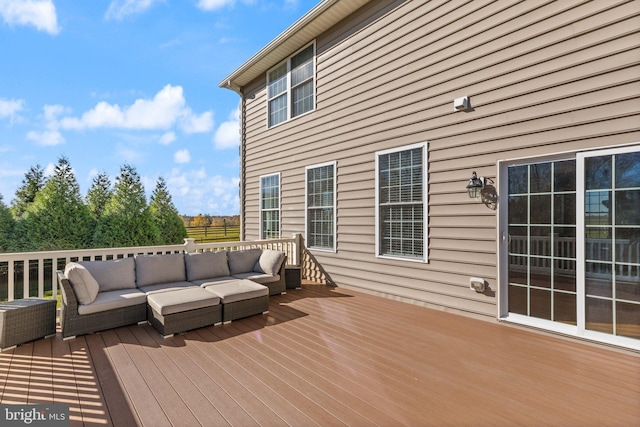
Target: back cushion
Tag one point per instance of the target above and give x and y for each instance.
(269, 262)
(206, 265)
(114, 274)
(243, 261)
(83, 283)
(156, 269)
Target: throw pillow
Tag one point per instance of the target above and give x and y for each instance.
(270, 262)
(83, 283)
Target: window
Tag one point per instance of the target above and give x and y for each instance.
(270, 206)
(321, 207)
(291, 87)
(401, 201)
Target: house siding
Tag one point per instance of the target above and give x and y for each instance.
(543, 77)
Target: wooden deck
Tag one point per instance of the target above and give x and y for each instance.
(328, 356)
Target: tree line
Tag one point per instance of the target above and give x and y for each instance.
(49, 213)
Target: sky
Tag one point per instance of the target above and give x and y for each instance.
(111, 82)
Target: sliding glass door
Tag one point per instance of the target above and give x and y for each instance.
(612, 243)
(571, 242)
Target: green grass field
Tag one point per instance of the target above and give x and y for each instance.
(230, 233)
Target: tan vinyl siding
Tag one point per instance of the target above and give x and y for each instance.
(544, 77)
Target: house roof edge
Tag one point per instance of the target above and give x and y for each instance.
(262, 60)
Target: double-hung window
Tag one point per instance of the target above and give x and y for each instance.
(291, 87)
(270, 206)
(321, 206)
(401, 203)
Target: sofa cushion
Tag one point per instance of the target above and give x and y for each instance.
(239, 290)
(258, 277)
(83, 283)
(114, 274)
(155, 269)
(204, 282)
(206, 265)
(164, 287)
(269, 262)
(178, 301)
(243, 261)
(111, 300)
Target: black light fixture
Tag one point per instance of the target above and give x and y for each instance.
(475, 186)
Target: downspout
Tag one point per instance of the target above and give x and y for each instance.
(241, 152)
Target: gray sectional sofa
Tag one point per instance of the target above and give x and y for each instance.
(173, 292)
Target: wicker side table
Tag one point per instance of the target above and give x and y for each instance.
(26, 320)
(293, 277)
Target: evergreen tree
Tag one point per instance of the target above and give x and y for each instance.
(25, 195)
(57, 218)
(7, 224)
(126, 219)
(98, 195)
(166, 216)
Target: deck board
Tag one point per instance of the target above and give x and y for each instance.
(328, 357)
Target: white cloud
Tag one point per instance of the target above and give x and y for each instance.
(197, 192)
(51, 136)
(46, 138)
(161, 112)
(197, 124)
(182, 156)
(49, 170)
(38, 13)
(10, 108)
(167, 108)
(228, 134)
(211, 5)
(51, 113)
(92, 173)
(119, 9)
(214, 4)
(167, 138)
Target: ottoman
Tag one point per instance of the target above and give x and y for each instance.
(240, 298)
(181, 310)
(26, 320)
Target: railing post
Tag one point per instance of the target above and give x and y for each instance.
(10, 280)
(298, 249)
(25, 279)
(189, 244)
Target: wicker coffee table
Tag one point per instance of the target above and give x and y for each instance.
(26, 320)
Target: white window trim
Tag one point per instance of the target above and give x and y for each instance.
(579, 330)
(260, 210)
(335, 205)
(288, 91)
(425, 202)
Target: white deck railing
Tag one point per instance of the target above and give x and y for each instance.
(564, 251)
(23, 270)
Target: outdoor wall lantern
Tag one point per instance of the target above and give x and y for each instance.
(475, 186)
